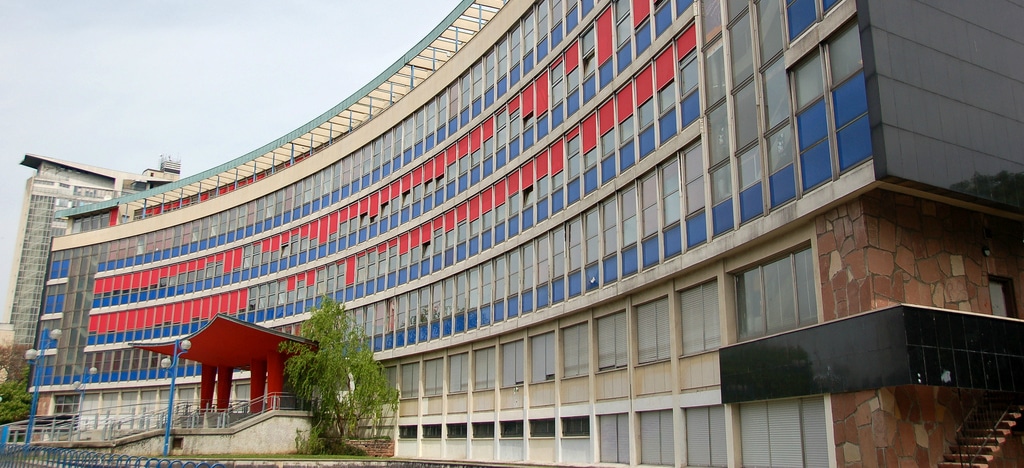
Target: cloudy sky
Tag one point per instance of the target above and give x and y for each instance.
(116, 84)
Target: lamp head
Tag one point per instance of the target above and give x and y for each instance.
(31, 354)
(93, 370)
(76, 385)
(165, 362)
(56, 333)
(185, 345)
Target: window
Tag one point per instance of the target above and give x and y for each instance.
(776, 296)
(1000, 290)
(457, 431)
(483, 369)
(578, 426)
(784, 433)
(575, 350)
(65, 404)
(510, 429)
(656, 441)
(542, 428)
(652, 331)
(611, 339)
(431, 431)
(700, 318)
(542, 351)
(705, 436)
(483, 430)
(433, 377)
(614, 438)
(411, 380)
(458, 373)
(407, 432)
(512, 364)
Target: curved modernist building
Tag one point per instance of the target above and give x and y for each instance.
(673, 232)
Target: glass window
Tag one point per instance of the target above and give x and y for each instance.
(671, 203)
(844, 55)
(629, 216)
(746, 116)
(649, 200)
(769, 29)
(776, 296)
(611, 339)
(575, 350)
(776, 93)
(809, 84)
(714, 71)
(740, 48)
(694, 179)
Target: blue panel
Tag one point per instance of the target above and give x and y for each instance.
(624, 57)
(477, 106)
(667, 126)
(441, 132)
(485, 240)
(575, 283)
(512, 307)
(815, 165)
(428, 142)
(573, 191)
(464, 117)
(400, 339)
(811, 125)
(722, 218)
(627, 156)
(542, 126)
(542, 48)
(485, 315)
(557, 201)
(502, 87)
(542, 296)
(608, 169)
(499, 311)
(610, 269)
(682, 5)
(389, 341)
(590, 180)
(606, 72)
(801, 13)
(556, 34)
(643, 37)
(751, 203)
(850, 100)
(650, 252)
(527, 301)
(377, 343)
(499, 233)
(662, 20)
(528, 138)
(453, 124)
(474, 246)
(571, 20)
(435, 330)
(558, 290)
(489, 97)
(471, 320)
(572, 103)
(854, 143)
(629, 261)
(513, 75)
(460, 323)
(672, 241)
(696, 230)
(527, 62)
(527, 218)
(826, 4)
(424, 333)
(513, 226)
(542, 209)
(586, 6)
(460, 252)
(589, 88)
(499, 158)
(647, 143)
(782, 186)
(474, 175)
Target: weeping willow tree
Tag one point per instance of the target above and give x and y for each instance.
(339, 375)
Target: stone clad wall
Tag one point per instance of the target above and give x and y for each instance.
(375, 447)
(886, 248)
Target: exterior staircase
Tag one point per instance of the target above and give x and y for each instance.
(984, 431)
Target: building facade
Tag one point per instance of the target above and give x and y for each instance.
(702, 233)
(59, 185)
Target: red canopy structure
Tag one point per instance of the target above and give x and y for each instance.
(227, 343)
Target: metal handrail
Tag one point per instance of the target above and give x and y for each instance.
(35, 455)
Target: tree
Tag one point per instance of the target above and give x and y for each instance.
(14, 389)
(339, 376)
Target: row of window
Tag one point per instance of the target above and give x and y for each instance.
(773, 433)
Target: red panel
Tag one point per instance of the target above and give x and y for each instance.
(644, 85)
(528, 100)
(686, 42)
(542, 93)
(439, 165)
(604, 36)
(449, 220)
(513, 105)
(304, 229)
(113, 218)
(572, 57)
(589, 133)
(624, 99)
(474, 208)
(403, 243)
(513, 182)
(557, 156)
(488, 128)
(452, 153)
(665, 67)
(461, 212)
(414, 238)
(606, 116)
(487, 200)
(291, 283)
(311, 277)
(474, 139)
(641, 8)
(382, 248)
(499, 193)
(350, 274)
(438, 223)
(463, 147)
(407, 181)
(416, 177)
(542, 164)
(572, 133)
(527, 174)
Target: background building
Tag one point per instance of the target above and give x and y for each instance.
(59, 185)
(665, 233)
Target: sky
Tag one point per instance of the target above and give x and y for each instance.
(117, 84)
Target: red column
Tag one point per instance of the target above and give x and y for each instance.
(209, 375)
(257, 380)
(223, 387)
(275, 377)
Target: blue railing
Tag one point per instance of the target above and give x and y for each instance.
(20, 455)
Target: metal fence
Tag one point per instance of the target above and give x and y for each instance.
(34, 456)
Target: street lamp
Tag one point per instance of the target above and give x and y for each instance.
(180, 347)
(79, 386)
(36, 358)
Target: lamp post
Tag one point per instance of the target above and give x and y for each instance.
(37, 358)
(180, 347)
(79, 386)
